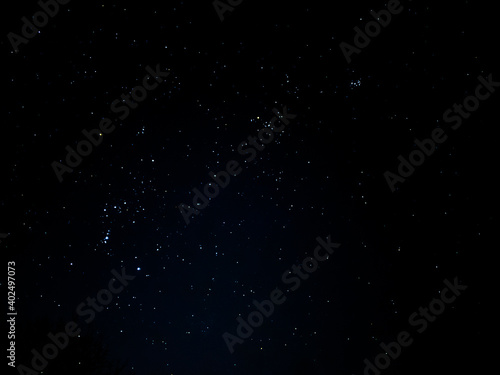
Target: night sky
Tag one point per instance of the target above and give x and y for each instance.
(314, 184)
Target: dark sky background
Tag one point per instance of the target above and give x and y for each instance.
(323, 176)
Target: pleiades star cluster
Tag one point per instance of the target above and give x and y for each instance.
(248, 188)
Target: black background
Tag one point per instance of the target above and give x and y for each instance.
(323, 176)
